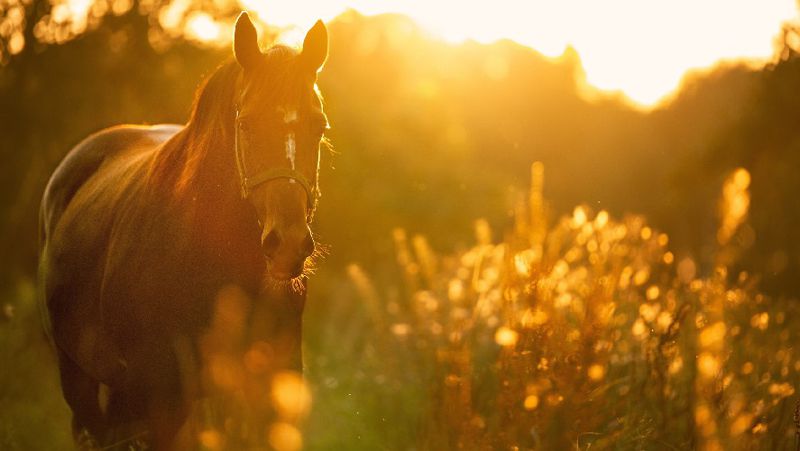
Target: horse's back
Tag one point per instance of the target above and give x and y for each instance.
(85, 159)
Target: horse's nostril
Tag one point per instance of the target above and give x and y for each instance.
(298, 268)
(308, 245)
(271, 243)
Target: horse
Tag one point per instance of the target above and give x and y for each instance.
(151, 235)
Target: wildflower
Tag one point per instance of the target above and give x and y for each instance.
(708, 365)
(734, 205)
(531, 402)
(713, 335)
(664, 321)
(285, 437)
(782, 390)
(741, 424)
(639, 329)
(579, 217)
(601, 219)
(760, 320)
(641, 276)
(455, 290)
(506, 336)
(648, 312)
(290, 395)
(533, 318)
(596, 372)
(676, 365)
(401, 329)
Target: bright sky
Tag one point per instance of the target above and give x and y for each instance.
(639, 47)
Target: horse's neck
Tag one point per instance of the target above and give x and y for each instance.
(205, 191)
(217, 184)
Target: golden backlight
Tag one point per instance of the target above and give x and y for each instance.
(639, 47)
(201, 26)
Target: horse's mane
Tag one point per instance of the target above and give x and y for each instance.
(211, 122)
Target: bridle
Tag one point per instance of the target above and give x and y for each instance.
(249, 182)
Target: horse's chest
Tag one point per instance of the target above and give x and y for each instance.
(169, 292)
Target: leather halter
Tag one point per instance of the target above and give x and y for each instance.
(249, 182)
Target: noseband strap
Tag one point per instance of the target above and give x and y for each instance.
(249, 182)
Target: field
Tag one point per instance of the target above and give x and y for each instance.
(587, 333)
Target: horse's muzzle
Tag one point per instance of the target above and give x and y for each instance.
(286, 250)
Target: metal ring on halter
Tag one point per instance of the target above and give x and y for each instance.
(249, 182)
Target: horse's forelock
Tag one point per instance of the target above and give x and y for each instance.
(216, 97)
(277, 78)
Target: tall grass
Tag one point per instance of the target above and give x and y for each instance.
(33, 415)
(585, 333)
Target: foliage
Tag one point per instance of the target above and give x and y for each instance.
(586, 334)
(28, 26)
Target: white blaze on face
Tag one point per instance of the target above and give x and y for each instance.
(290, 116)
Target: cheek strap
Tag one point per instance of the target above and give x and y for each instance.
(248, 183)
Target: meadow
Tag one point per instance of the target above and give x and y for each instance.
(584, 333)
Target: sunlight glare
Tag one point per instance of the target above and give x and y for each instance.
(202, 27)
(641, 48)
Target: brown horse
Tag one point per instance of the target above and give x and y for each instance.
(143, 228)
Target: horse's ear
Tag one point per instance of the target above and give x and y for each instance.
(245, 42)
(315, 46)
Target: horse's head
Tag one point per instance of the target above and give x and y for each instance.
(279, 129)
